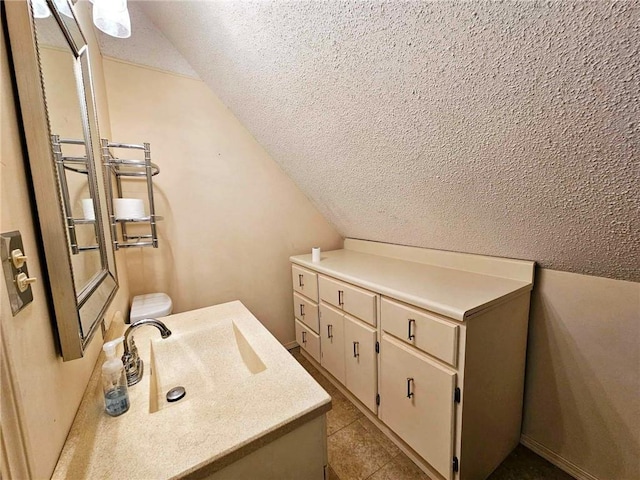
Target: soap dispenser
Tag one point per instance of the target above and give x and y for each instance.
(114, 381)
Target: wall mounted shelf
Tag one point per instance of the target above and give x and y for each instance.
(118, 171)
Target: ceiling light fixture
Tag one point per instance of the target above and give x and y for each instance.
(112, 17)
(40, 9)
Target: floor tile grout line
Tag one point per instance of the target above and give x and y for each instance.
(343, 427)
(381, 467)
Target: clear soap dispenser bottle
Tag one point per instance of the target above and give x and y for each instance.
(114, 381)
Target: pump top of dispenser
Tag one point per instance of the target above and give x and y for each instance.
(110, 347)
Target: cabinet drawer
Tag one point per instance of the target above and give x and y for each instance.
(305, 282)
(308, 340)
(306, 311)
(353, 300)
(416, 402)
(421, 329)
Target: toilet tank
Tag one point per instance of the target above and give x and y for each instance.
(151, 305)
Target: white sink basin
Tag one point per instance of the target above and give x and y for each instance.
(207, 361)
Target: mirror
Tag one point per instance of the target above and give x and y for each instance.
(52, 64)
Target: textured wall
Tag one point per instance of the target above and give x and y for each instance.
(232, 218)
(505, 129)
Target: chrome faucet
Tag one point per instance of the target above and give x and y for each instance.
(133, 365)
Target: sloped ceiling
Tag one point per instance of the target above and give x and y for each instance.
(508, 129)
(146, 46)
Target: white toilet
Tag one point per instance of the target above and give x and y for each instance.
(151, 305)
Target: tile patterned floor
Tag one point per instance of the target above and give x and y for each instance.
(359, 451)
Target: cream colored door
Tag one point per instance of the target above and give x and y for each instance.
(417, 402)
(360, 361)
(332, 341)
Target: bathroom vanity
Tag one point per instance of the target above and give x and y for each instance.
(430, 345)
(250, 411)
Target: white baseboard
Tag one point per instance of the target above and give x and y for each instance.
(290, 345)
(560, 462)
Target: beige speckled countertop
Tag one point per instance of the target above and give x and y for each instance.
(451, 292)
(202, 433)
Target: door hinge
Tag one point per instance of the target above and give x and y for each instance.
(456, 466)
(456, 395)
(377, 347)
(377, 399)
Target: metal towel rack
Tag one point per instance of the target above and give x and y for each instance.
(120, 169)
(75, 164)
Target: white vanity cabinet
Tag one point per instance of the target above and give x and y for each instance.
(430, 345)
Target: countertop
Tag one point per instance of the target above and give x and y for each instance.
(451, 292)
(196, 436)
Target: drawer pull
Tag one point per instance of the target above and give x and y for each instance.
(304, 337)
(300, 280)
(409, 387)
(329, 331)
(302, 309)
(340, 298)
(411, 335)
(356, 349)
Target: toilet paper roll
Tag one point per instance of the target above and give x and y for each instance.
(87, 209)
(128, 208)
(315, 254)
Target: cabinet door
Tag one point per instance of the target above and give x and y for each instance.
(353, 300)
(416, 402)
(332, 341)
(308, 340)
(305, 282)
(360, 361)
(306, 311)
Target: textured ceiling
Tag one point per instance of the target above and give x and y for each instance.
(507, 129)
(146, 46)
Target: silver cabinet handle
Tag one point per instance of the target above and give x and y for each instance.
(302, 309)
(300, 280)
(409, 387)
(329, 331)
(340, 297)
(411, 335)
(304, 337)
(356, 349)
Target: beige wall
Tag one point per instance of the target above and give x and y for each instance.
(582, 399)
(232, 217)
(47, 390)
